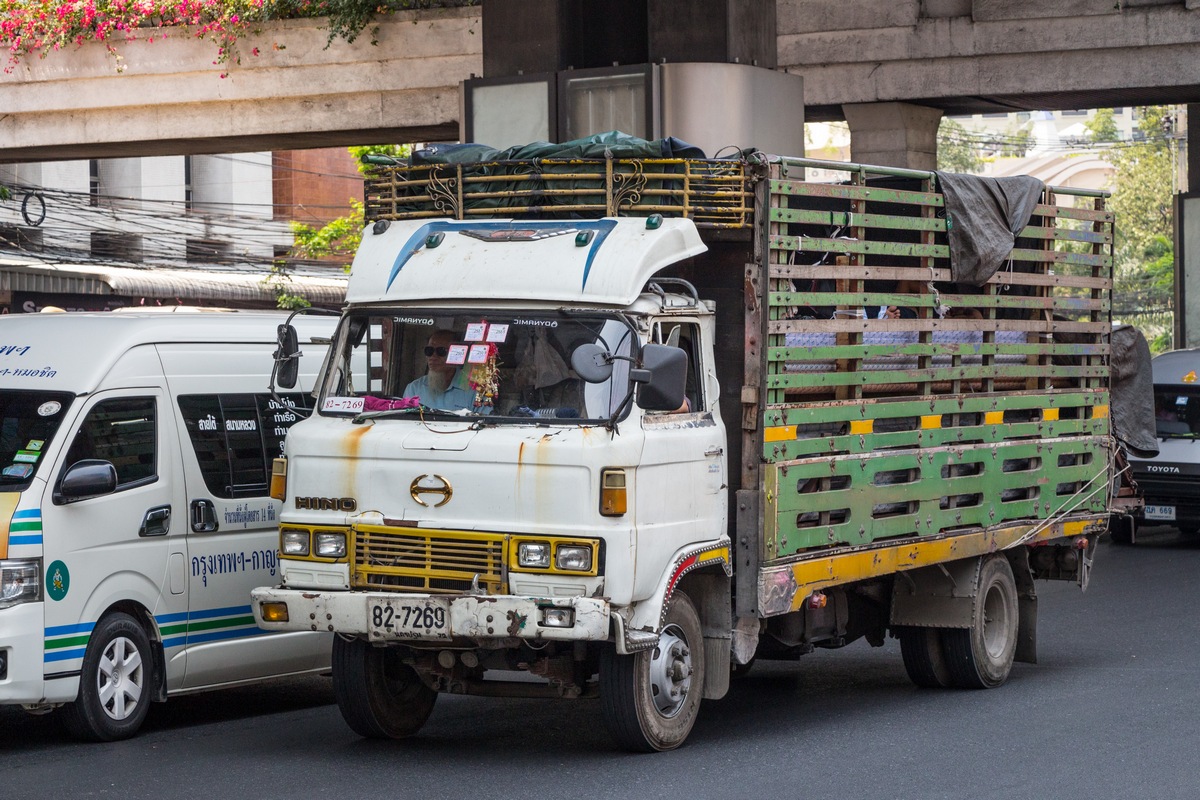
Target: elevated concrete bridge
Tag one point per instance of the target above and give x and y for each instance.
(890, 67)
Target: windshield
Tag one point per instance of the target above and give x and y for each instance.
(28, 422)
(1176, 412)
(503, 366)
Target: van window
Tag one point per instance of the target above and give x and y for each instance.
(236, 436)
(121, 432)
(28, 422)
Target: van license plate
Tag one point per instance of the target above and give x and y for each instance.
(428, 618)
(1160, 512)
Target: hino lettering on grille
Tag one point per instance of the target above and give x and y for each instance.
(327, 503)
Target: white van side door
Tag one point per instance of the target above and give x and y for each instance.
(231, 429)
(115, 548)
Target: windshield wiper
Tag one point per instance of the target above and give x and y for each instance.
(422, 411)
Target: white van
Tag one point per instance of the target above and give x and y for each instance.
(135, 462)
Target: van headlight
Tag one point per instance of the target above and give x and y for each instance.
(20, 581)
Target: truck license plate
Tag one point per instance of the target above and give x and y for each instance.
(1160, 512)
(427, 618)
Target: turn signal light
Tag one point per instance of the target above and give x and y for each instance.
(612, 492)
(274, 612)
(817, 600)
(279, 478)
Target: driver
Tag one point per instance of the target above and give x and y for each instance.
(441, 385)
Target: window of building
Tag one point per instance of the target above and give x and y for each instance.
(236, 436)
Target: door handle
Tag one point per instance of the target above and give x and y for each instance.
(714, 451)
(157, 522)
(204, 516)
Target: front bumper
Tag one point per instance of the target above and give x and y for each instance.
(474, 617)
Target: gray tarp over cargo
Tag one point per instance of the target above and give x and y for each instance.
(1132, 392)
(983, 218)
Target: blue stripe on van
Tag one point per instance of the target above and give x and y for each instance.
(209, 613)
(29, 538)
(64, 655)
(214, 636)
(79, 627)
(28, 513)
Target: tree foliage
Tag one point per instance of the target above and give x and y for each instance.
(957, 151)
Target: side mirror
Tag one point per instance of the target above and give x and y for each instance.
(592, 363)
(84, 479)
(662, 378)
(287, 357)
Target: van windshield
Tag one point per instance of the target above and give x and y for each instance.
(1176, 412)
(503, 366)
(28, 422)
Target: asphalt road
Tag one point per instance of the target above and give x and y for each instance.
(1110, 711)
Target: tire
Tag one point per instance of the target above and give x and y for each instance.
(1120, 530)
(380, 696)
(636, 699)
(980, 657)
(925, 657)
(115, 684)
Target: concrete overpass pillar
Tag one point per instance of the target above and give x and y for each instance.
(893, 134)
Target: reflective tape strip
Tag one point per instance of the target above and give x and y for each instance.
(783, 433)
(993, 418)
(862, 426)
(931, 421)
(1100, 412)
(1049, 414)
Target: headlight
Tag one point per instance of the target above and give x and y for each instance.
(330, 545)
(533, 554)
(573, 557)
(20, 582)
(294, 543)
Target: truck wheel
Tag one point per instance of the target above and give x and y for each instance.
(650, 699)
(924, 657)
(380, 696)
(980, 657)
(114, 684)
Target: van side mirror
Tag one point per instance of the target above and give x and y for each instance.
(287, 357)
(662, 378)
(84, 479)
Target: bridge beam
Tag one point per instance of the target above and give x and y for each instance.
(893, 134)
(170, 99)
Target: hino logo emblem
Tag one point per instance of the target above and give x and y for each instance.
(443, 488)
(1171, 470)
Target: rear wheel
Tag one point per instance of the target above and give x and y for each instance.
(114, 684)
(980, 657)
(924, 657)
(650, 699)
(380, 696)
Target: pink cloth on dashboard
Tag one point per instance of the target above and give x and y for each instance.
(371, 403)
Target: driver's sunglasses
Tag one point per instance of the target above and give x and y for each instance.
(441, 351)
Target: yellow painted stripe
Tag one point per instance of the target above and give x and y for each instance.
(820, 573)
(1049, 414)
(783, 433)
(993, 418)
(1100, 412)
(8, 504)
(931, 421)
(862, 426)
(721, 553)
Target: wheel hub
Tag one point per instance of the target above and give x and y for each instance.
(670, 671)
(120, 679)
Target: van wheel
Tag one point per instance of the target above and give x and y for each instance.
(380, 696)
(924, 657)
(980, 657)
(650, 699)
(115, 683)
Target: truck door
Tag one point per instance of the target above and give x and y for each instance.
(115, 548)
(681, 478)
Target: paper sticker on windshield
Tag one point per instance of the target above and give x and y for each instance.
(475, 331)
(49, 408)
(479, 354)
(26, 457)
(456, 354)
(17, 471)
(497, 333)
(34, 444)
(351, 404)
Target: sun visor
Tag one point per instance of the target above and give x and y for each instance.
(593, 262)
